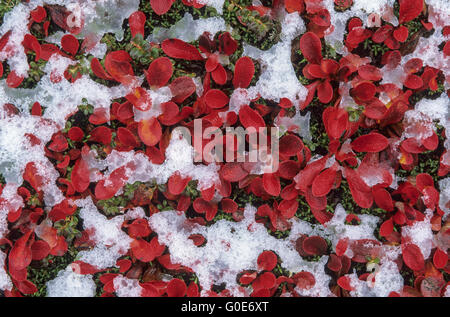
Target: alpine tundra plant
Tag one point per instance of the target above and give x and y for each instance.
(280, 148)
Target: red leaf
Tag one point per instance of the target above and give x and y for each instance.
(370, 72)
(440, 259)
(315, 245)
(288, 169)
(159, 72)
(247, 278)
(101, 134)
(387, 227)
(13, 80)
(140, 98)
(161, 6)
(124, 265)
(266, 280)
(139, 228)
(250, 118)
(182, 88)
(271, 183)
(304, 280)
(70, 44)
(233, 172)
(40, 249)
(39, 14)
(150, 131)
(294, 5)
(412, 256)
(216, 99)
(413, 82)
(118, 66)
(59, 143)
(336, 121)
(26, 287)
(146, 251)
(372, 143)
(243, 72)
(409, 10)
(80, 176)
(177, 184)
(341, 246)
(20, 255)
(83, 268)
(334, 263)
(323, 183)
(137, 23)
(76, 134)
(361, 193)
(98, 70)
(344, 283)
(228, 205)
(227, 44)
(176, 288)
(383, 199)
(267, 261)
(364, 91)
(401, 34)
(290, 145)
(205, 207)
(176, 48)
(311, 47)
(106, 189)
(127, 138)
(32, 176)
(288, 208)
(219, 75)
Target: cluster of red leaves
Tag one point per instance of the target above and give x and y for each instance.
(299, 174)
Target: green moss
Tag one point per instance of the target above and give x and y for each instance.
(428, 162)
(304, 211)
(40, 272)
(116, 204)
(176, 13)
(261, 32)
(70, 227)
(96, 278)
(6, 6)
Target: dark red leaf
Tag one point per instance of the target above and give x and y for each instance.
(315, 245)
